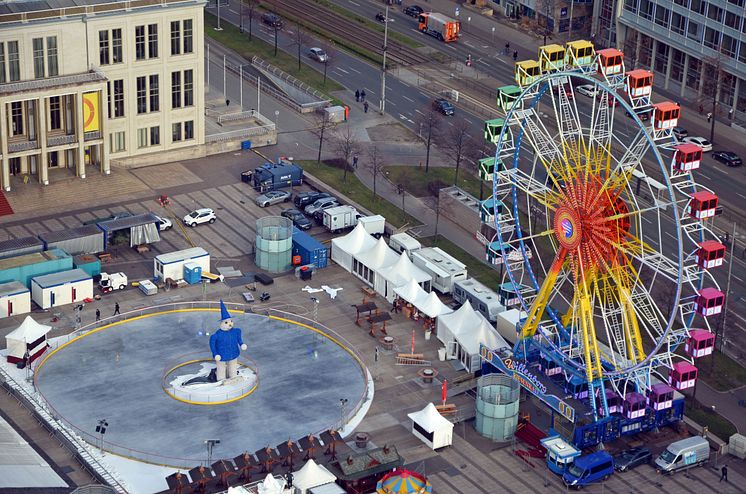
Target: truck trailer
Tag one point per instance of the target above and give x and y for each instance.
(340, 218)
(439, 26)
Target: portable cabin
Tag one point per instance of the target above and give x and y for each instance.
(551, 58)
(576, 387)
(15, 299)
(492, 129)
(66, 287)
(487, 168)
(702, 205)
(666, 115)
(639, 83)
(20, 246)
(634, 405)
(24, 267)
(709, 302)
(171, 265)
(710, 254)
(683, 375)
(687, 157)
(310, 250)
(526, 72)
(403, 242)
(506, 96)
(489, 208)
(88, 239)
(610, 62)
(700, 343)
(548, 367)
(445, 269)
(481, 298)
(660, 396)
(560, 453)
(579, 54)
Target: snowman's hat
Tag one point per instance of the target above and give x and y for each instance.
(224, 314)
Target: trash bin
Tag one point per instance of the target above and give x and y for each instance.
(442, 354)
(305, 273)
(246, 176)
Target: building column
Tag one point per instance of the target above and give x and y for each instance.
(736, 89)
(105, 141)
(684, 75)
(702, 79)
(653, 53)
(4, 146)
(43, 169)
(79, 134)
(669, 64)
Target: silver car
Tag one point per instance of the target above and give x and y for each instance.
(320, 204)
(318, 54)
(273, 197)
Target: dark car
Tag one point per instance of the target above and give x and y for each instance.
(380, 17)
(299, 219)
(630, 458)
(643, 116)
(680, 132)
(413, 10)
(272, 20)
(443, 106)
(303, 199)
(727, 157)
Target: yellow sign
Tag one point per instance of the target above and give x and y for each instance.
(91, 117)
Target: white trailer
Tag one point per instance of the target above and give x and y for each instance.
(66, 287)
(171, 265)
(445, 269)
(375, 225)
(340, 218)
(402, 242)
(15, 299)
(481, 298)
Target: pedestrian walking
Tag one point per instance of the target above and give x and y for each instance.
(355, 159)
(724, 473)
(116, 308)
(362, 95)
(507, 48)
(365, 107)
(701, 109)
(357, 95)
(515, 55)
(709, 117)
(98, 315)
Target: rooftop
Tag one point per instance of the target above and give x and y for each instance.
(33, 10)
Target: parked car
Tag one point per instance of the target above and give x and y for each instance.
(443, 106)
(273, 197)
(565, 88)
(164, 223)
(323, 203)
(303, 199)
(318, 54)
(588, 469)
(587, 90)
(299, 219)
(699, 141)
(680, 132)
(727, 157)
(272, 20)
(199, 216)
(684, 453)
(380, 17)
(413, 10)
(630, 458)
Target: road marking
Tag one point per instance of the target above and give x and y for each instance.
(468, 44)
(719, 169)
(418, 111)
(404, 84)
(367, 91)
(408, 99)
(736, 277)
(354, 70)
(644, 218)
(403, 117)
(391, 103)
(450, 123)
(342, 70)
(482, 61)
(451, 47)
(704, 176)
(669, 234)
(741, 195)
(354, 3)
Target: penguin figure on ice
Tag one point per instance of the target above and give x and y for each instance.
(226, 345)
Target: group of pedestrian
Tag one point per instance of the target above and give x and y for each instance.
(98, 311)
(360, 97)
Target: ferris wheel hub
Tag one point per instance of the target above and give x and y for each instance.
(567, 227)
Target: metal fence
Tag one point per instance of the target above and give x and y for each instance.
(240, 133)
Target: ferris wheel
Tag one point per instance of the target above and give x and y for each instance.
(603, 227)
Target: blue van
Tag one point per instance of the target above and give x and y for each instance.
(588, 469)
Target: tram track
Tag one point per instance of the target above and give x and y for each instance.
(318, 17)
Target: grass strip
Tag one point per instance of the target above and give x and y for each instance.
(723, 374)
(416, 181)
(716, 423)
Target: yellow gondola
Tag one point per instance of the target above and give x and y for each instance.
(551, 58)
(526, 72)
(580, 54)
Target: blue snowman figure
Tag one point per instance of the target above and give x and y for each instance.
(226, 345)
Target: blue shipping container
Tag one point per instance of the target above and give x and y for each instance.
(310, 250)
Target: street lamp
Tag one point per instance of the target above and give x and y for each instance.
(342, 408)
(218, 28)
(210, 443)
(315, 308)
(101, 429)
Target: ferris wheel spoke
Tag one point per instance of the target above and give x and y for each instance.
(632, 340)
(634, 151)
(594, 369)
(539, 305)
(544, 147)
(566, 115)
(533, 188)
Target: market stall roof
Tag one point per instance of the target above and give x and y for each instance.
(357, 240)
(270, 485)
(21, 467)
(311, 475)
(110, 226)
(70, 233)
(412, 293)
(432, 306)
(462, 319)
(430, 419)
(378, 257)
(403, 270)
(29, 331)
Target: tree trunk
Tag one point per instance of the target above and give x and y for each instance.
(427, 156)
(325, 65)
(375, 175)
(321, 143)
(455, 175)
(251, 22)
(275, 41)
(344, 175)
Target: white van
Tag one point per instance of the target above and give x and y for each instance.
(690, 452)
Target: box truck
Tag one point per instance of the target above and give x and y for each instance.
(439, 26)
(375, 225)
(271, 176)
(340, 218)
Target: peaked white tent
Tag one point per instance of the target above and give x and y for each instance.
(29, 335)
(463, 331)
(344, 248)
(368, 264)
(431, 427)
(432, 306)
(412, 293)
(270, 485)
(312, 475)
(399, 274)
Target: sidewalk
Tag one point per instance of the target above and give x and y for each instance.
(725, 403)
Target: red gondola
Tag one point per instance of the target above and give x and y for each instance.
(683, 375)
(703, 205)
(610, 61)
(639, 83)
(688, 157)
(711, 254)
(666, 115)
(700, 343)
(710, 301)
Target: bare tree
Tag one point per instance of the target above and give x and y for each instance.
(545, 10)
(277, 28)
(301, 38)
(455, 142)
(428, 123)
(321, 124)
(346, 144)
(714, 81)
(251, 5)
(332, 56)
(375, 165)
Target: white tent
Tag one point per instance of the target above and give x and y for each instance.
(270, 485)
(29, 335)
(412, 293)
(463, 331)
(431, 427)
(344, 248)
(369, 263)
(312, 475)
(399, 273)
(433, 307)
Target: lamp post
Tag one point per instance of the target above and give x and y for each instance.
(210, 443)
(218, 28)
(315, 302)
(342, 408)
(382, 105)
(101, 430)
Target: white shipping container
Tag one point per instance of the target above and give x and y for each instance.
(66, 287)
(171, 265)
(374, 225)
(15, 299)
(340, 218)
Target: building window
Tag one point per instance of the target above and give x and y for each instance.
(693, 31)
(116, 46)
(2, 62)
(119, 98)
(16, 118)
(715, 13)
(678, 23)
(685, 3)
(677, 65)
(140, 42)
(646, 9)
(662, 16)
(742, 56)
(698, 6)
(732, 20)
(38, 46)
(661, 58)
(729, 46)
(176, 89)
(103, 47)
(188, 130)
(176, 132)
(108, 99)
(52, 65)
(188, 87)
(155, 100)
(152, 40)
(630, 5)
(55, 113)
(188, 33)
(692, 74)
(142, 138)
(737, 2)
(155, 136)
(142, 95)
(175, 38)
(712, 38)
(118, 142)
(14, 64)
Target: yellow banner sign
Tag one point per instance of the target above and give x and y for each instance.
(91, 118)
